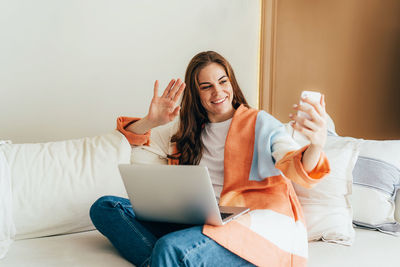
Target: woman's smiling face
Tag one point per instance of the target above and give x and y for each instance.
(216, 92)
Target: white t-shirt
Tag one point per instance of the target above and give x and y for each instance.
(213, 137)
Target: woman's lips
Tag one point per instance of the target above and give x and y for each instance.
(219, 101)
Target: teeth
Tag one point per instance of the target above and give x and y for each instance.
(219, 101)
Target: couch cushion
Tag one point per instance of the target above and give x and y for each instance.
(89, 249)
(370, 249)
(376, 180)
(7, 226)
(55, 183)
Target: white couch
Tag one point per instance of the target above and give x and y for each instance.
(36, 246)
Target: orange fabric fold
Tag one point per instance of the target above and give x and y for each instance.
(133, 139)
(292, 167)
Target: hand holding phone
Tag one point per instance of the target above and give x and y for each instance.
(314, 97)
(309, 126)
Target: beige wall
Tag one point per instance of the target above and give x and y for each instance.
(347, 49)
(69, 68)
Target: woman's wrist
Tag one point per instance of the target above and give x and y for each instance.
(150, 124)
(141, 126)
(316, 147)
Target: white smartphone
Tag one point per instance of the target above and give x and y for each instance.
(313, 96)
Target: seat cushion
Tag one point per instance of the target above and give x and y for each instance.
(80, 249)
(370, 249)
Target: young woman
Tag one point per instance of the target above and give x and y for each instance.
(251, 160)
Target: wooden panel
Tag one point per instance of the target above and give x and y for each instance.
(267, 53)
(348, 50)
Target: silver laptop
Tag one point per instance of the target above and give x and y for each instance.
(175, 193)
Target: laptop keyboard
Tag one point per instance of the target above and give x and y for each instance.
(225, 215)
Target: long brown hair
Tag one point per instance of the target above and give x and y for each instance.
(193, 115)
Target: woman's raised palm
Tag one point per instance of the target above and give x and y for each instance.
(163, 108)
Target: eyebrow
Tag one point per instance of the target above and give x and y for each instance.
(223, 76)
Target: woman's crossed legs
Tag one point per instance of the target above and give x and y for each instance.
(157, 244)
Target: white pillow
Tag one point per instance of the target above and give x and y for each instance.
(327, 206)
(375, 184)
(7, 227)
(397, 207)
(54, 184)
(330, 125)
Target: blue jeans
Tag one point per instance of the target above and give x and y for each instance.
(157, 244)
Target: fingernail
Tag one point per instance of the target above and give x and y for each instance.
(290, 115)
(295, 105)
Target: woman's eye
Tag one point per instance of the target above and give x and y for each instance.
(205, 87)
(224, 81)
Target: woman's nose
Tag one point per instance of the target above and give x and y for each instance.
(217, 88)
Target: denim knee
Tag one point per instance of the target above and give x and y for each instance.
(100, 208)
(166, 252)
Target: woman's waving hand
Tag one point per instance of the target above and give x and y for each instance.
(163, 109)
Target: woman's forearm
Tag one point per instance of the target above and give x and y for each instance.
(141, 126)
(311, 157)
